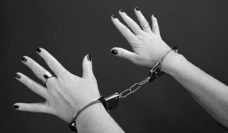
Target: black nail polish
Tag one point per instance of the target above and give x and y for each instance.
(114, 52)
(113, 16)
(121, 10)
(136, 8)
(38, 50)
(153, 15)
(89, 57)
(45, 76)
(17, 76)
(23, 59)
(15, 106)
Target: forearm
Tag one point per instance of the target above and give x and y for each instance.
(96, 119)
(206, 90)
(148, 48)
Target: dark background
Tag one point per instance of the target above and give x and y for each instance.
(70, 29)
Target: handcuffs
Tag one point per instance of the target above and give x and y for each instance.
(111, 102)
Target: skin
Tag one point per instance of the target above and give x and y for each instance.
(148, 48)
(66, 93)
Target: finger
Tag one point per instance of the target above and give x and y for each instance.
(130, 22)
(142, 20)
(155, 26)
(123, 29)
(54, 65)
(87, 67)
(36, 68)
(33, 107)
(32, 85)
(123, 53)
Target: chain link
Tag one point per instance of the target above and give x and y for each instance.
(133, 88)
(155, 72)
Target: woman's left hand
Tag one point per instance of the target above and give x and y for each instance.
(146, 42)
(65, 93)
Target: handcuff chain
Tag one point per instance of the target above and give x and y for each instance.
(133, 88)
(155, 72)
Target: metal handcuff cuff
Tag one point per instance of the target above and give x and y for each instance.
(112, 101)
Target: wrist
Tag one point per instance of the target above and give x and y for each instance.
(171, 62)
(97, 120)
(90, 114)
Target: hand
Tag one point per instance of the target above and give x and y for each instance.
(65, 93)
(148, 46)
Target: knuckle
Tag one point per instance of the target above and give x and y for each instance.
(120, 52)
(51, 82)
(123, 28)
(137, 59)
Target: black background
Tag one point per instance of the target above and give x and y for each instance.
(70, 29)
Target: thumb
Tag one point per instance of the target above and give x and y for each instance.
(87, 67)
(123, 53)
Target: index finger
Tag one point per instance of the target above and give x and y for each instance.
(123, 29)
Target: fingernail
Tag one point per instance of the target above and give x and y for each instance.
(23, 59)
(38, 50)
(136, 8)
(153, 16)
(17, 76)
(45, 76)
(121, 10)
(15, 107)
(89, 57)
(113, 16)
(114, 51)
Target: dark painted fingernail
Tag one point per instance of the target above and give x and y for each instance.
(17, 76)
(23, 59)
(136, 8)
(38, 50)
(121, 10)
(113, 16)
(114, 52)
(45, 76)
(15, 107)
(89, 57)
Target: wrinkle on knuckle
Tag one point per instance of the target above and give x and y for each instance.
(123, 28)
(137, 58)
(141, 36)
(51, 82)
(32, 86)
(135, 42)
(50, 62)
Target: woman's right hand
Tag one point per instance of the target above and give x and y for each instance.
(147, 44)
(64, 93)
